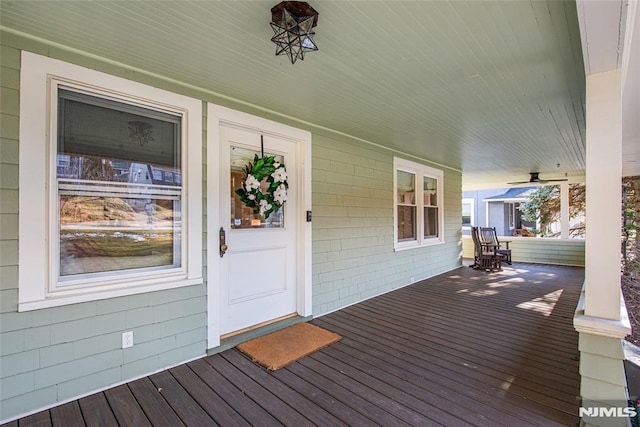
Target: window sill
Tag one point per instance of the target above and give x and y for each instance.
(415, 245)
(59, 299)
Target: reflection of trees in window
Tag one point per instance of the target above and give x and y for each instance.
(96, 169)
(543, 207)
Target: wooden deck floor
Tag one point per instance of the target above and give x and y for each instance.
(463, 348)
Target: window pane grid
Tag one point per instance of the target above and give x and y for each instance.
(418, 204)
(430, 222)
(406, 223)
(406, 188)
(430, 188)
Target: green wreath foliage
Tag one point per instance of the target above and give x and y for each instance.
(268, 201)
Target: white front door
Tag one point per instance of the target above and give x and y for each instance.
(257, 282)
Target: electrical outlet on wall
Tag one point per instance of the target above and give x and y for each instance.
(127, 339)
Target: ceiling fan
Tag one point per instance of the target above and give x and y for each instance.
(535, 179)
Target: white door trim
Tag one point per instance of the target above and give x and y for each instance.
(216, 116)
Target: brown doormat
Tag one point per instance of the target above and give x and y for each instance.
(287, 345)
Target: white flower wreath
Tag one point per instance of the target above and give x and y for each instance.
(269, 201)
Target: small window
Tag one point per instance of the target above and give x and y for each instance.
(418, 215)
(242, 216)
(511, 210)
(406, 196)
(431, 208)
(119, 205)
(468, 213)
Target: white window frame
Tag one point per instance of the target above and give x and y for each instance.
(472, 202)
(511, 216)
(38, 277)
(420, 171)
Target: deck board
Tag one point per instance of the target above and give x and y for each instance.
(214, 405)
(316, 414)
(463, 348)
(153, 404)
(305, 386)
(250, 410)
(67, 415)
(125, 407)
(41, 419)
(347, 391)
(269, 401)
(189, 411)
(423, 404)
(96, 411)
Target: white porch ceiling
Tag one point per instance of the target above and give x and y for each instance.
(495, 89)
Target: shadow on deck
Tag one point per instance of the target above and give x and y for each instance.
(462, 348)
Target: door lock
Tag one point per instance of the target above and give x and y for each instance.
(223, 240)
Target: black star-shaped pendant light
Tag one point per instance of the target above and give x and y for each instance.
(292, 23)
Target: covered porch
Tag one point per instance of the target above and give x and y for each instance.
(461, 348)
(447, 95)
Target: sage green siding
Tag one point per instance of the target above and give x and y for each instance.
(52, 355)
(603, 382)
(540, 251)
(353, 254)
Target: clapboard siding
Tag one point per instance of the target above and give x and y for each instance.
(55, 354)
(541, 251)
(353, 254)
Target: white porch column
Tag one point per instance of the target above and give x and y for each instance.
(604, 179)
(601, 316)
(564, 210)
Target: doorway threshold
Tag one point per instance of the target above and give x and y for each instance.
(232, 340)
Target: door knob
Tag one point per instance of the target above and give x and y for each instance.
(223, 242)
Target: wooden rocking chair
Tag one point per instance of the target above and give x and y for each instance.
(488, 235)
(486, 256)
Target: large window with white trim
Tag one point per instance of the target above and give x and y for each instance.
(119, 189)
(117, 201)
(418, 201)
